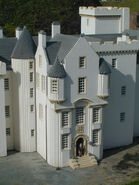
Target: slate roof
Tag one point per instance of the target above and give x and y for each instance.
(103, 67)
(25, 47)
(57, 70)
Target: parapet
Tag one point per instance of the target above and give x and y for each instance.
(102, 11)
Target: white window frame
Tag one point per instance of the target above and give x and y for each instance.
(31, 92)
(114, 63)
(68, 142)
(7, 111)
(82, 62)
(65, 118)
(98, 137)
(96, 118)
(122, 116)
(31, 75)
(8, 131)
(6, 83)
(54, 85)
(83, 91)
(80, 120)
(32, 132)
(123, 90)
(30, 64)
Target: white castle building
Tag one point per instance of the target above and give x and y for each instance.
(61, 91)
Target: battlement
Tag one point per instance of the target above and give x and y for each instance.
(102, 11)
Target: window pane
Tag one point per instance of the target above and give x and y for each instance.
(65, 141)
(7, 111)
(96, 114)
(82, 61)
(54, 86)
(31, 92)
(81, 85)
(6, 83)
(8, 131)
(95, 136)
(80, 115)
(123, 90)
(65, 119)
(122, 116)
(114, 62)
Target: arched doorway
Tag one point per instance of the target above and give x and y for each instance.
(80, 146)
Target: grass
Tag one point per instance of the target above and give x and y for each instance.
(132, 4)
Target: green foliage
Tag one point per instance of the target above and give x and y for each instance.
(136, 182)
(39, 14)
(132, 4)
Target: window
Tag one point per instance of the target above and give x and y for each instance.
(82, 85)
(122, 116)
(7, 111)
(138, 58)
(65, 141)
(54, 86)
(6, 84)
(95, 135)
(40, 61)
(31, 77)
(7, 131)
(31, 108)
(31, 92)
(82, 62)
(114, 63)
(43, 82)
(32, 132)
(96, 115)
(37, 80)
(40, 111)
(123, 90)
(31, 65)
(80, 115)
(65, 119)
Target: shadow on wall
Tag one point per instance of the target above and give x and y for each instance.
(110, 152)
(16, 107)
(115, 133)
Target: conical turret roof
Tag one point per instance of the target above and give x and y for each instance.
(25, 47)
(103, 67)
(57, 70)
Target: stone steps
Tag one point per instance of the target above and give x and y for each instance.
(83, 162)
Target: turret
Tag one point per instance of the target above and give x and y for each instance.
(103, 79)
(56, 75)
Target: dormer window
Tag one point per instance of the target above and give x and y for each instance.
(31, 65)
(114, 63)
(82, 85)
(54, 86)
(82, 62)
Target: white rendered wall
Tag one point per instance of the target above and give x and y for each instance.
(9, 102)
(103, 20)
(41, 99)
(24, 119)
(116, 132)
(3, 144)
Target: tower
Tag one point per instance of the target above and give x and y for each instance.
(23, 65)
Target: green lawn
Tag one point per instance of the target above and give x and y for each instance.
(132, 4)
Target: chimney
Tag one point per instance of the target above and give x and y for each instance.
(42, 38)
(18, 32)
(55, 28)
(1, 32)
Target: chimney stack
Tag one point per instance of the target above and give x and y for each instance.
(42, 38)
(1, 32)
(55, 28)
(18, 32)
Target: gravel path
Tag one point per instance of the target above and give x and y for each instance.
(119, 166)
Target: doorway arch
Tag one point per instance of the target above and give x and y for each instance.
(80, 139)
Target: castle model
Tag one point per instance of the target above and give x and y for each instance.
(71, 96)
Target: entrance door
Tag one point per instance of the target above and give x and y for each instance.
(80, 149)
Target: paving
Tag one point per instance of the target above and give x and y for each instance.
(119, 166)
